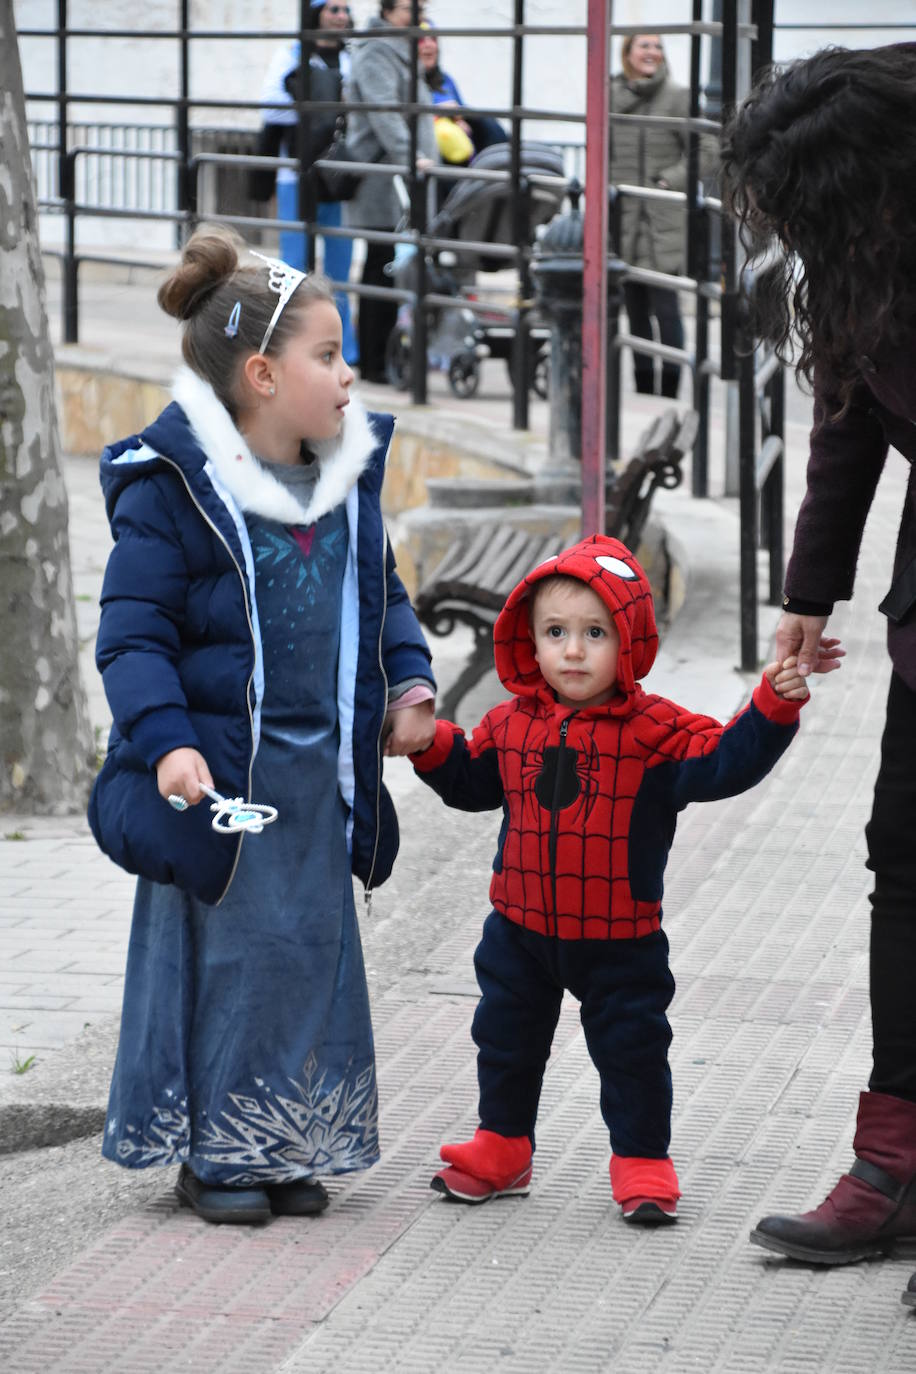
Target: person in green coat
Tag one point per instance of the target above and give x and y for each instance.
(653, 233)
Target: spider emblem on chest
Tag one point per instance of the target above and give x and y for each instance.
(562, 775)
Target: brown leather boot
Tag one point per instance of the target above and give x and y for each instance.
(872, 1210)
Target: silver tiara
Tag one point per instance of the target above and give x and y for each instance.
(282, 279)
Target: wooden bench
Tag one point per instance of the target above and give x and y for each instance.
(481, 566)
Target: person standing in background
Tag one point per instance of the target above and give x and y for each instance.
(653, 232)
(380, 71)
(482, 130)
(329, 64)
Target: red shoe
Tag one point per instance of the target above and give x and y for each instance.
(488, 1166)
(647, 1190)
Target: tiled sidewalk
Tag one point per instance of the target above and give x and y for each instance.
(767, 917)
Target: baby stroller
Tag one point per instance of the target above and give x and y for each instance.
(458, 338)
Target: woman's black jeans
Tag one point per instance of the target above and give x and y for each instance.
(891, 836)
(377, 317)
(642, 303)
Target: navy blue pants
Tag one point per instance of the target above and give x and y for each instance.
(624, 987)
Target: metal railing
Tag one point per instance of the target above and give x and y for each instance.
(186, 165)
(91, 174)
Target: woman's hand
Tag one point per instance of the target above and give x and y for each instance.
(409, 730)
(803, 636)
(179, 774)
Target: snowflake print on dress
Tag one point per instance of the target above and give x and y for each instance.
(167, 1139)
(279, 1139)
(301, 559)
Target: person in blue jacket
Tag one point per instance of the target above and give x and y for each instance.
(482, 130)
(254, 639)
(329, 64)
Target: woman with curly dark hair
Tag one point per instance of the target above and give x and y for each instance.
(822, 157)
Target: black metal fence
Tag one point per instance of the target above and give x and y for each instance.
(98, 170)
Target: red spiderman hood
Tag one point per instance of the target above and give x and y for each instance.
(608, 567)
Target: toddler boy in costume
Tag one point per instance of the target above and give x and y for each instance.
(590, 772)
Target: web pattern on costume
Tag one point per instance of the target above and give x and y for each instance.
(565, 870)
(594, 899)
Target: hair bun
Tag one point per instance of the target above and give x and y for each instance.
(210, 257)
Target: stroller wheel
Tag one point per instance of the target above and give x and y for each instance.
(538, 373)
(464, 374)
(541, 381)
(397, 358)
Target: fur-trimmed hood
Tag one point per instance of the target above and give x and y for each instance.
(220, 450)
(608, 568)
(342, 460)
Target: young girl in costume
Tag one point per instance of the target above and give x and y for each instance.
(255, 639)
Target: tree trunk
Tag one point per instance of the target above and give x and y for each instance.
(45, 738)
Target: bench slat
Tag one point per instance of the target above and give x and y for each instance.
(479, 569)
(462, 554)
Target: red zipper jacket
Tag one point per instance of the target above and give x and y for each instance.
(590, 797)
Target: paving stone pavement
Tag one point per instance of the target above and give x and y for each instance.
(767, 917)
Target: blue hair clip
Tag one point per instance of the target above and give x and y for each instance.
(232, 328)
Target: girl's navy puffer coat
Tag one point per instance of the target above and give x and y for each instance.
(179, 647)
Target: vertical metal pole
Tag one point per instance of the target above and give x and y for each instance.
(420, 339)
(182, 118)
(697, 268)
(614, 360)
(775, 487)
(701, 378)
(521, 228)
(305, 199)
(417, 188)
(729, 241)
(594, 266)
(762, 45)
(66, 188)
(747, 507)
(773, 494)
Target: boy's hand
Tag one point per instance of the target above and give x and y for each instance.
(178, 773)
(786, 679)
(409, 730)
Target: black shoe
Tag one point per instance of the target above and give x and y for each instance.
(304, 1198)
(217, 1203)
(651, 1212)
(909, 1293)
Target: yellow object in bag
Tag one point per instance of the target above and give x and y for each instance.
(453, 143)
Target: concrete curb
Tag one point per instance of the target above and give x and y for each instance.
(63, 1097)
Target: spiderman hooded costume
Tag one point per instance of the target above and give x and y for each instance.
(590, 796)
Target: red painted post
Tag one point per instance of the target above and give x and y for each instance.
(594, 266)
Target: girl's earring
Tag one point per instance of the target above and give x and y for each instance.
(272, 391)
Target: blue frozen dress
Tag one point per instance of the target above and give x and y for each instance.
(246, 1045)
